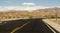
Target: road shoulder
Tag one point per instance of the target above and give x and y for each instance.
(53, 24)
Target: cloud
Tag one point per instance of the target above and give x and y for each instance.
(28, 4)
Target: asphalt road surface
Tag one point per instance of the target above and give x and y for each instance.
(25, 26)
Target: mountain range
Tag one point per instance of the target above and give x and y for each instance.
(28, 8)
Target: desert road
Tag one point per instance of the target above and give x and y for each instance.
(26, 26)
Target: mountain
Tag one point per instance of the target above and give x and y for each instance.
(51, 9)
(29, 8)
(17, 8)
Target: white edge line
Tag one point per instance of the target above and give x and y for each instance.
(50, 27)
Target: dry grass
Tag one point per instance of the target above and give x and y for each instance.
(54, 20)
(40, 14)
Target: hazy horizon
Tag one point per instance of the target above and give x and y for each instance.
(27, 4)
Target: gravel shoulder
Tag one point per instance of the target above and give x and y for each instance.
(53, 23)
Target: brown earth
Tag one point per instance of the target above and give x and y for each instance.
(41, 13)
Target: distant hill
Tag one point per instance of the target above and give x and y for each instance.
(29, 8)
(39, 13)
(53, 9)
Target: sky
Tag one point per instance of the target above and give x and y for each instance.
(35, 2)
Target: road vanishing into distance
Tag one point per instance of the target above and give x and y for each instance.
(26, 26)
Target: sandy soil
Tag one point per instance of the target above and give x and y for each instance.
(52, 22)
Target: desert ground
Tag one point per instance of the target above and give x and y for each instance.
(25, 14)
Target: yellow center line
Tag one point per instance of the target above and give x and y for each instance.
(18, 28)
